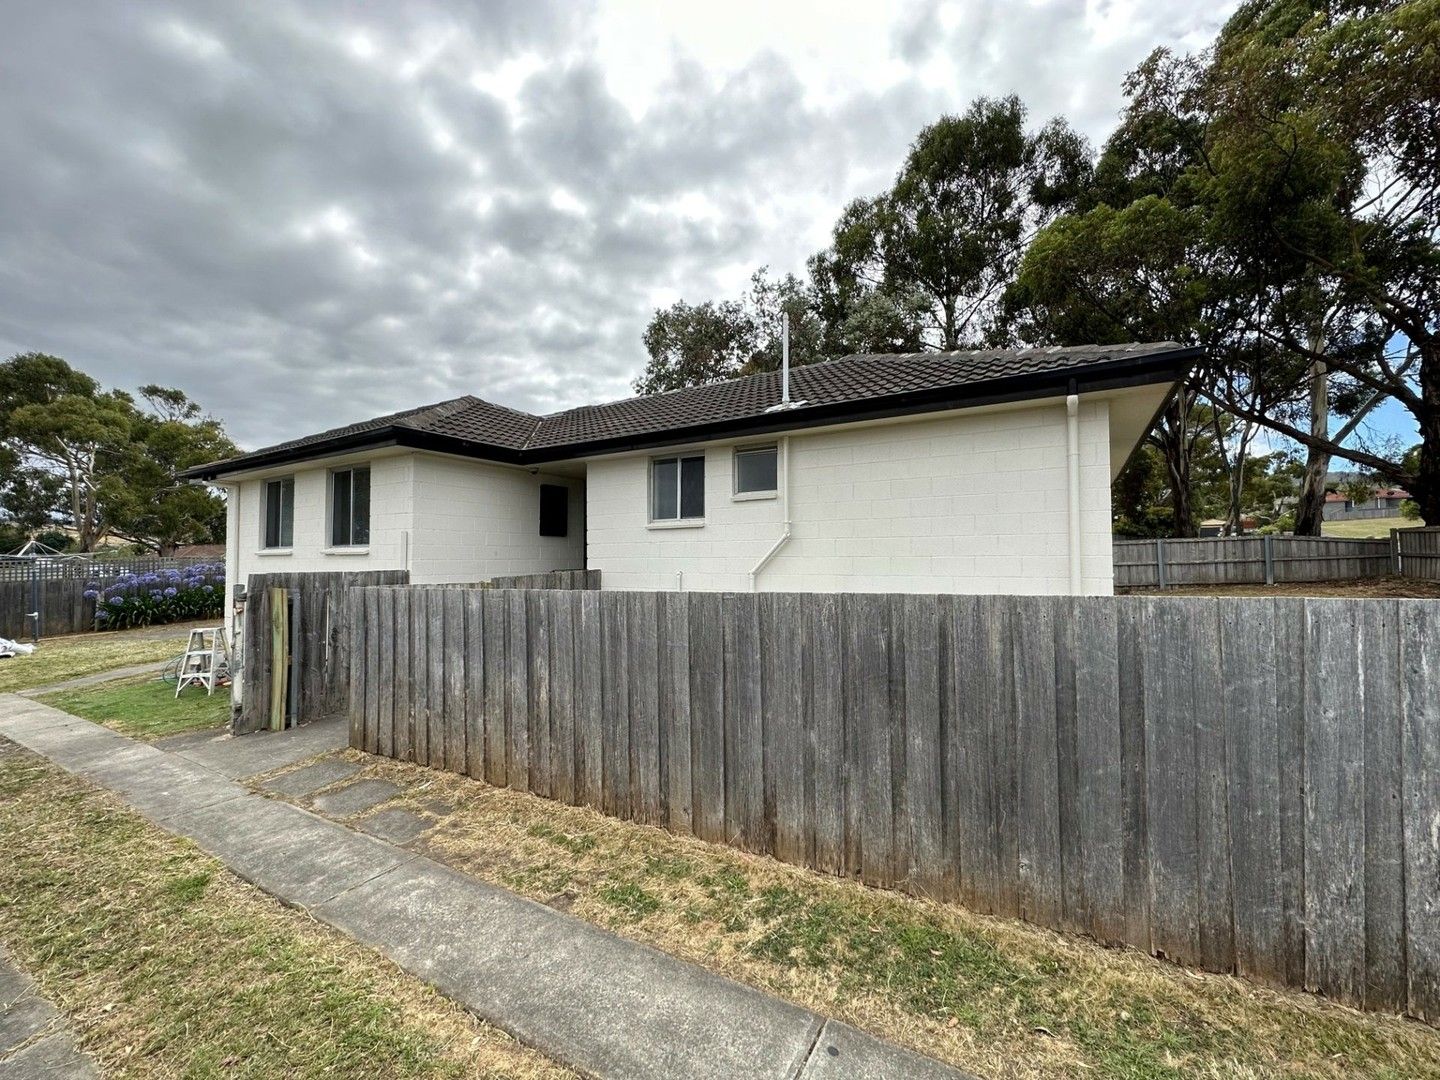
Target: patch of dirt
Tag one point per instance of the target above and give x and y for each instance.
(1382, 588)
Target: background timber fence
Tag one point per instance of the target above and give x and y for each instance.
(55, 587)
(1241, 784)
(1248, 559)
(1418, 552)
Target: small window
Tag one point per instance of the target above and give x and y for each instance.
(279, 513)
(677, 488)
(757, 470)
(350, 507)
(554, 510)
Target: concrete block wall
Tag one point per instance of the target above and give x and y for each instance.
(475, 521)
(391, 521)
(969, 503)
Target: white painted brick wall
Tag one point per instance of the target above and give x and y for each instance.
(474, 521)
(390, 520)
(463, 521)
(972, 502)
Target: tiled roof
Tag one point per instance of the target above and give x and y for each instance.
(870, 382)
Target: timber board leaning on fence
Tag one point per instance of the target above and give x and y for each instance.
(1242, 785)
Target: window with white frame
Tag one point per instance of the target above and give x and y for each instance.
(278, 513)
(350, 506)
(757, 470)
(677, 488)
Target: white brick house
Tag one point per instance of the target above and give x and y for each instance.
(938, 472)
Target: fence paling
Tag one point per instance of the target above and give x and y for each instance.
(1418, 552)
(1247, 560)
(1211, 780)
(316, 643)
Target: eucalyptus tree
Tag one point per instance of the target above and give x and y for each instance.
(924, 264)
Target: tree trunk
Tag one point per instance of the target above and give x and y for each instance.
(1425, 489)
(1173, 438)
(1310, 510)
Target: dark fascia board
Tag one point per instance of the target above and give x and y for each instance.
(1130, 371)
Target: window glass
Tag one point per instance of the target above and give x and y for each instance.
(692, 487)
(279, 513)
(756, 469)
(665, 490)
(360, 505)
(340, 508)
(350, 507)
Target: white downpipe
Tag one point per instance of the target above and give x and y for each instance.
(784, 537)
(1072, 446)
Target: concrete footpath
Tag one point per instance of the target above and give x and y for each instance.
(33, 1039)
(602, 1005)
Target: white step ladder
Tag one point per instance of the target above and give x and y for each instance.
(206, 660)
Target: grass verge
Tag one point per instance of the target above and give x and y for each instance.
(59, 659)
(1367, 528)
(997, 997)
(144, 707)
(170, 966)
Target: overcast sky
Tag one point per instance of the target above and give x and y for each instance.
(308, 213)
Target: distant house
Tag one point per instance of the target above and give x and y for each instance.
(1386, 503)
(200, 551)
(936, 472)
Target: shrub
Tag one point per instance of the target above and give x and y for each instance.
(160, 596)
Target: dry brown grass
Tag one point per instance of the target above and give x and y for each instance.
(997, 997)
(1386, 587)
(168, 965)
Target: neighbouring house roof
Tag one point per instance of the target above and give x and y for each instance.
(207, 551)
(1380, 493)
(844, 390)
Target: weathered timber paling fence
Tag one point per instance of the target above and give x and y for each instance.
(1248, 560)
(1243, 785)
(1418, 552)
(315, 632)
(552, 579)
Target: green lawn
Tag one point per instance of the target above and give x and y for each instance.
(167, 965)
(145, 707)
(63, 658)
(1376, 528)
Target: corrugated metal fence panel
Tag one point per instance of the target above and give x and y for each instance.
(1241, 784)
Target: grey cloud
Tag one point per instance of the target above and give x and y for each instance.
(302, 229)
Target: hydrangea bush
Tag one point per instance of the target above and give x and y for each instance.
(159, 596)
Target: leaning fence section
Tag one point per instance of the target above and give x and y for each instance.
(1243, 785)
(1234, 560)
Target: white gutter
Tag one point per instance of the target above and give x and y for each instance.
(1072, 446)
(784, 537)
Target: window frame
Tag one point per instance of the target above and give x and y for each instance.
(679, 520)
(282, 544)
(755, 493)
(333, 475)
